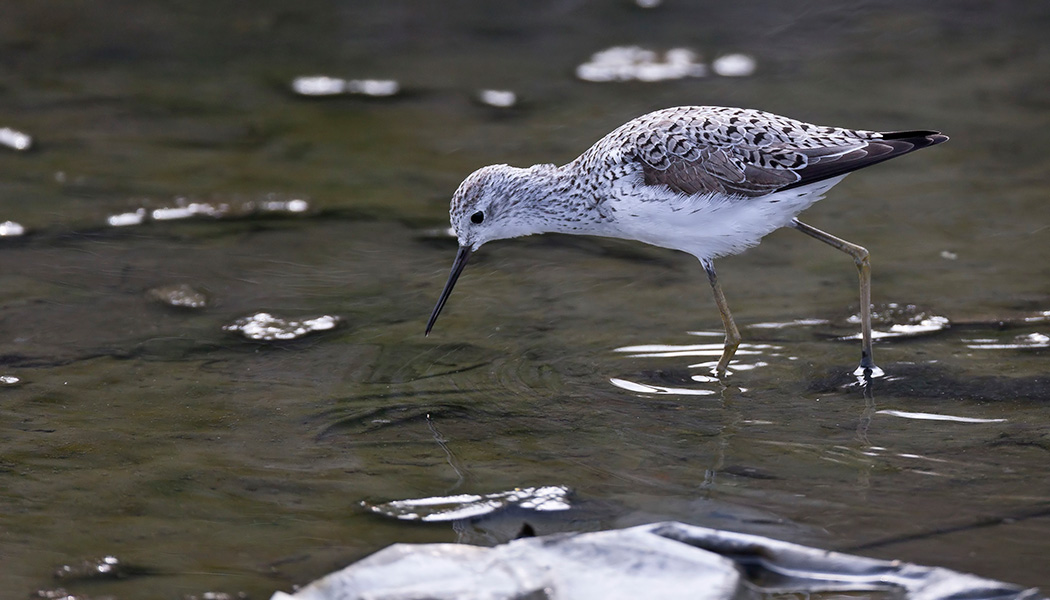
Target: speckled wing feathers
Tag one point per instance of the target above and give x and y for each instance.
(747, 153)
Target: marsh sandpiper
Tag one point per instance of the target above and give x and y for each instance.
(706, 180)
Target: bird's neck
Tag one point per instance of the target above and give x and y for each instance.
(553, 199)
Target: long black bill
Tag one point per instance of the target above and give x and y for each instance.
(462, 256)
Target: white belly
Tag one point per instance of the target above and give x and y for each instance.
(708, 226)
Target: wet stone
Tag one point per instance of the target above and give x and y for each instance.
(266, 327)
(179, 295)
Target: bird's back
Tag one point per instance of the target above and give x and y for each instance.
(740, 152)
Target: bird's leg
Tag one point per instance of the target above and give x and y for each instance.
(860, 257)
(732, 334)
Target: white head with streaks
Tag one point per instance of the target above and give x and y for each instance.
(498, 202)
(494, 203)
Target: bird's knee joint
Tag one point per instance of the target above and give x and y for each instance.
(861, 256)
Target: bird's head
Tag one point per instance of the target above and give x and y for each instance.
(493, 203)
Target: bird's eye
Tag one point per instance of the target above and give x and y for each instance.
(477, 217)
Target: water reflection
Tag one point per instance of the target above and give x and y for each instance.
(922, 416)
(471, 506)
(748, 357)
(643, 388)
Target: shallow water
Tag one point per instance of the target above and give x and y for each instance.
(207, 462)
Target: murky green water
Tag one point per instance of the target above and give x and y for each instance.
(206, 462)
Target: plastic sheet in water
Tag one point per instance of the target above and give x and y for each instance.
(662, 560)
(469, 506)
(266, 327)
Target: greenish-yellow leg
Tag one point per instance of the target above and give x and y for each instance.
(732, 333)
(860, 257)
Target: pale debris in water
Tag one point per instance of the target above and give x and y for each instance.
(323, 85)
(126, 219)
(292, 206)
(9, 380)
(95, 568)
(15, 140)
(648, 3)
(467, 506)
(626, 63)
(373, 87)
(189, 210)
(949, 255)
(180, 295)
(11, 229)
(267, 327)
(734, 65)
(319, 85)
(498, 98)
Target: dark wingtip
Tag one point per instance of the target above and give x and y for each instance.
(920, 139)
